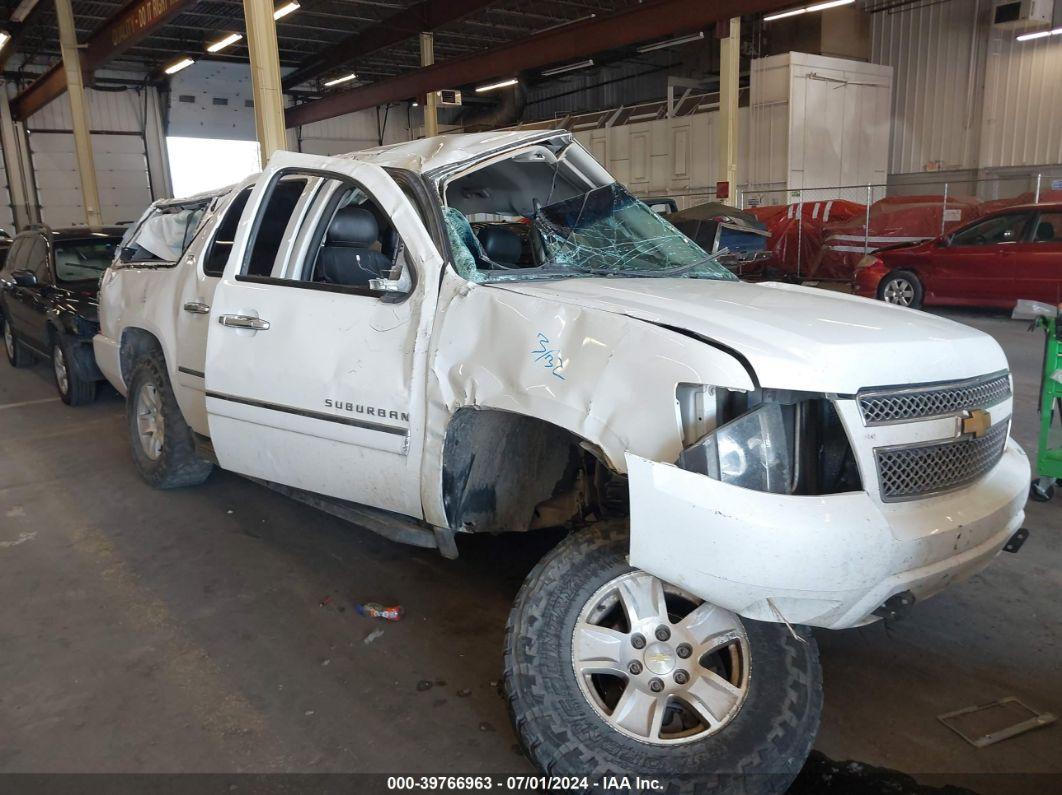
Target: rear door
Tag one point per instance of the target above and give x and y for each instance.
(977, 266)
(1038, 262)
(315, 378)
(201, 269)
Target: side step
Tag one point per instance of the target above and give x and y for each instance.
(392, 526)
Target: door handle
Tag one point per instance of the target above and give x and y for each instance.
(197, 308)
(244, 321)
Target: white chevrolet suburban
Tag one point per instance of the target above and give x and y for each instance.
(485, 333)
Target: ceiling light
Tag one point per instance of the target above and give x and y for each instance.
(5, 37)
(807, 9)
(1040, 34)
(337, 80)
(416, 104)
(287, 8)
(512, 81)
(221, 44)
(660, 45)
(559, 70)
(177, 66)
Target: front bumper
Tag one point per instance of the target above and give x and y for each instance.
(827, 561)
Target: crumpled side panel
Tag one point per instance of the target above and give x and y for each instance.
(607, 378)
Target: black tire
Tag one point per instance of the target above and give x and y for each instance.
(897, 279)
(16, 352)
(177, 465)
(77, 391)
(761, 749)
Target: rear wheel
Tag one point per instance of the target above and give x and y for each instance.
(73, 389)
(17, 354)
(161, 441)
(901, 288)
(610, 671)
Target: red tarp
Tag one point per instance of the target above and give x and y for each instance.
(789, 235)
(1025, 198)
(897, 219)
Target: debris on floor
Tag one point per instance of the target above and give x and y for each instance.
(987, 724)
(372, 636)
(424, 685)
(377, 610)
(327, 600)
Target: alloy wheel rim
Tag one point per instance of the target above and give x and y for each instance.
(9, 340)
(899, 291)
(150, 425)
(62, 378)
(681, 685)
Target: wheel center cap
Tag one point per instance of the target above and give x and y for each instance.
(659, 658)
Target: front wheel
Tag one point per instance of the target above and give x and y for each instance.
(901, 288)
(611, 672)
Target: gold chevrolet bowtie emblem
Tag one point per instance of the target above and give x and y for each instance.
(977, 423)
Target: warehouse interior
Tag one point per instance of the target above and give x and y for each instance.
(222, 629)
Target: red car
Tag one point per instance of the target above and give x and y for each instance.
(993, 261)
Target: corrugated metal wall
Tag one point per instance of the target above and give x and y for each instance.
(967, 95)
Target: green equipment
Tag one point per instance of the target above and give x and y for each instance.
(1048, 457)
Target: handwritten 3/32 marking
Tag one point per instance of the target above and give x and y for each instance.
(550, 358)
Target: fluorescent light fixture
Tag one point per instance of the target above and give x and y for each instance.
(177, 66)
(661, 45)
(807, 9)
(221, 44)
(288, 8)
(416, 104)
(1040, 34)
(512, 81)
(559, 70)
(5, 37)
(337, 80)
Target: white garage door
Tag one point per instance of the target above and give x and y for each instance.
(121, 174)
(7, 222)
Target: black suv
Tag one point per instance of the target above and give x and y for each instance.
(48, 303)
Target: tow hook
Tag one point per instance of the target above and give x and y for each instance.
(896, 606)
(1016, 540)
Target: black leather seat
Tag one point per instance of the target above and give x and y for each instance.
(1045, 232)
(347, 257)
(501, 245)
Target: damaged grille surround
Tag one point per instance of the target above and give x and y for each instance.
(906, 404)
(908, 472)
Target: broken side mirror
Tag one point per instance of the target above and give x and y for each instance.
(24, 278)
(401, 284)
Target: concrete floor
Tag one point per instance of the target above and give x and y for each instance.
(183, 631)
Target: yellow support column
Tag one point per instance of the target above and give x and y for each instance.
(729, 69)
(265, 76)
(431, 102)
(75, 86)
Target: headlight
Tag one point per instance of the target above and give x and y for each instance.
(752, 451)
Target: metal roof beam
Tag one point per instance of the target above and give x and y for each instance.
(137, 20)
(645, 22)
(424, 16)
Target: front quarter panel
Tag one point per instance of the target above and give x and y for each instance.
(607, 378)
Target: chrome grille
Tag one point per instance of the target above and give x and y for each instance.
(912, 471)
(882, 406)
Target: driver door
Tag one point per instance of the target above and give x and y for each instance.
(978, 266)
(317, 382)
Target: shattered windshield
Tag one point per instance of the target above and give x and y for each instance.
(605, 231)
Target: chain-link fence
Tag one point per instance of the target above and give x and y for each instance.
(837, 224)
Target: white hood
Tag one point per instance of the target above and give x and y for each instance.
(794, 337)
